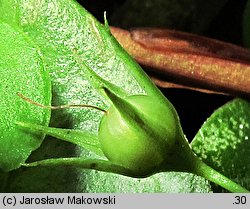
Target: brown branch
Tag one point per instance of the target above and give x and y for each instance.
(165, 84)
(189, 60)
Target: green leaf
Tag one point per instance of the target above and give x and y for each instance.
(223, 141)
(171, 182)
(21, 70)
(246, 25)
(68, 35)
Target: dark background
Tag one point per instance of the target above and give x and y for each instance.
(226, 25)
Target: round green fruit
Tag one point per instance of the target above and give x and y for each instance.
(142, 141)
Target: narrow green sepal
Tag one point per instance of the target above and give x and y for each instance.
(130, 113)
(82, 138)
(95, 164)
(106, 24)
(137, 117)
(97, 81)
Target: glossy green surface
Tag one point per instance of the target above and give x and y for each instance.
(223, 141)
(21, 70)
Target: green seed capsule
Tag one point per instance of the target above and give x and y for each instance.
(138, 133)
(139, 136)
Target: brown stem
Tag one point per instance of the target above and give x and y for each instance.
(189, 60)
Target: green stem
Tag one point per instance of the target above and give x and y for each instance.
(189, 162)
(212, 175)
